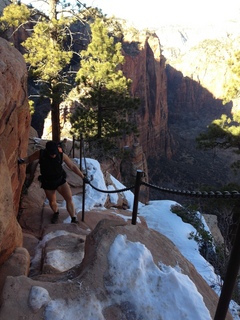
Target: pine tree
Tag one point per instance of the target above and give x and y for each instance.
(14, 15)
(106, 105)
(49, 60)
(48, 55)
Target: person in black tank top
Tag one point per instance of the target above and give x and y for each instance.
(53, 177)
(52, 173)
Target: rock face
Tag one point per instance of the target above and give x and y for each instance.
(14, 127)
(145, 65)
(180, 98)
(193, 84)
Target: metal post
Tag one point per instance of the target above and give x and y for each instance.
(83, 201)
(136, 196)
(81, 147)
(230, 279)
(73, 146)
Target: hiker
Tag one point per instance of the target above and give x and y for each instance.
(53, 177)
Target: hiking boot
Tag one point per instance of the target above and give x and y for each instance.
(55, 217)
(74, 220)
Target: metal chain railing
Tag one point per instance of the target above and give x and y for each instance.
(111, 191)
(82, 154)
(234, 262)
(198, 194)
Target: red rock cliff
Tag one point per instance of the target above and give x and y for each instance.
(14, 127)
(145, 65)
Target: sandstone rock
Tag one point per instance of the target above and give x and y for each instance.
(116, 199)
(71, 246)
(10, 231)
(15, 115)
(17, 264)
(31, 207)
(89, 280)
(146, 68)
(30, 243)
(14, 127)
(73, 180)
(212, 223)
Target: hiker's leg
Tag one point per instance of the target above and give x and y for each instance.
(66, 193)
(51, 196)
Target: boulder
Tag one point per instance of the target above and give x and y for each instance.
(17, 264)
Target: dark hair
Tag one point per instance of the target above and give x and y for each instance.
(52, 147)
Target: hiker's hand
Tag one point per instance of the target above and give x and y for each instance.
(86, 180)
(21, 161)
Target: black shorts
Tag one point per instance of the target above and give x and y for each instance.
(52, 184)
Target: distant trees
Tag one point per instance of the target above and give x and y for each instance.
(106, 108)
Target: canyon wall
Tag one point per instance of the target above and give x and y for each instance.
(14, 127)
(195, 89)
(145, 66)
(179, 98)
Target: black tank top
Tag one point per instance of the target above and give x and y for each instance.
(51, 168)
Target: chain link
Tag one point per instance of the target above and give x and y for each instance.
(198, 194)
(112, 191)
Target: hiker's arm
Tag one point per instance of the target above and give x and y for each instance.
(31, 158)
(72, 166)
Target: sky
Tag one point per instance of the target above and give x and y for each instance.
(153, 14)
(126, 258)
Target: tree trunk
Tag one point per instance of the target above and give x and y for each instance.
(55, 121)
(52, 9)
(99, 115)
(55, 102)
